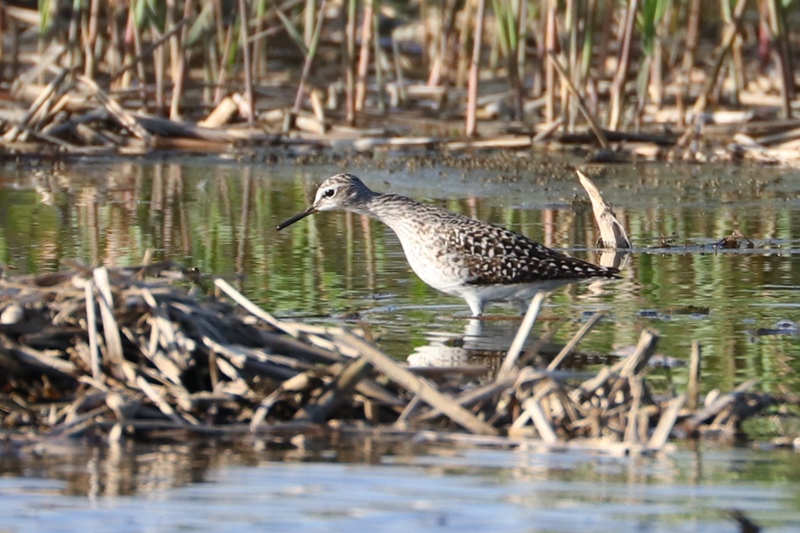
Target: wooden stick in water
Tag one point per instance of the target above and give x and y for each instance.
(522, 334)
(612, 233)
(587, 327)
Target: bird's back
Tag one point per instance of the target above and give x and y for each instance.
(472, 251)
(495, 255)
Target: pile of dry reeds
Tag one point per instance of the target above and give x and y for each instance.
(134, 352)
(641, 78)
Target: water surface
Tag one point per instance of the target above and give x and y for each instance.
(741, 305)
(220, 217)
(372, 486)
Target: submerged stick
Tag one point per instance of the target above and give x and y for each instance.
(587, 327)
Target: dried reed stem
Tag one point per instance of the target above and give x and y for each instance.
(474, 71)
(621, 76)
(249, 97)
(363, 59)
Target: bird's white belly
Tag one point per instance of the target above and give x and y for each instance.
(516, 292)
(442, 272)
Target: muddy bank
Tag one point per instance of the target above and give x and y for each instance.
(618, 83)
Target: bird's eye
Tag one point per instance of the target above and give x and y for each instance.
(328, 193)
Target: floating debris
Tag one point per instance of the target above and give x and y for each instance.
(781, 327)
(691, 310)
(734, 241)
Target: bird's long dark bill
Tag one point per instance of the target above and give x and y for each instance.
(299, 216)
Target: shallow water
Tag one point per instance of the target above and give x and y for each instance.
(741, 305)
(404, 487)
(220, 217)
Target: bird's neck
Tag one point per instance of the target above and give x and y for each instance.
(388, 208)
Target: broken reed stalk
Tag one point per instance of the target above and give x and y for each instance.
(731, 30)
(350, 62)
(612, 232)
(48, 93)
(718, 405)
(666, 423)
(474, 72)
(312, 52)
(90, 40)
(692, 39)
(506, 15)
(593, 124)
(244, 20)
(117, 111)
(621, 76)
(252, 308)
(363, 59)
(91, 326)
(464, 54)
(777, 24)
(181, 56)
(551, 47)
(522, 35)
(533, 411)
(571, 29)
(378, 60)
(105, 301)
(636, 386)
(473, 396)
(645, 349)
(159, 69)
(223, 65)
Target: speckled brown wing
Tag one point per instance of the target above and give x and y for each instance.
(494, 255)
